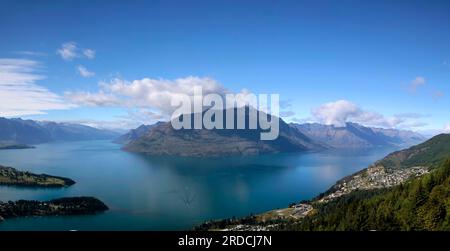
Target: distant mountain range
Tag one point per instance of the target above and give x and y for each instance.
(162, 139)
(19, 131)
(354, 135)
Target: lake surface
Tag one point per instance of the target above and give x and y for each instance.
(169, 193)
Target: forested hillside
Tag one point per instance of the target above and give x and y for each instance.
(421, 204)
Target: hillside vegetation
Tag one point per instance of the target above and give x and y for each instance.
(430, 153)
(407, 190)
(421, 204)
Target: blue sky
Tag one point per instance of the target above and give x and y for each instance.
(381, 63)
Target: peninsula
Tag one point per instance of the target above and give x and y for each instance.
(62, 206)
(14, 177)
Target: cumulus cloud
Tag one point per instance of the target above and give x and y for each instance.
(19, 92)
(155, 94)
(416, 83)
(150, 99)
(340, 112)
(84, 72)
(336, 113)
(70, 50)
(89, 53)
(446, 128)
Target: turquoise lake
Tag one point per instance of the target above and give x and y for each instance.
(168, 193)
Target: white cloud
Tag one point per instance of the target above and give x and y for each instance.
(155, 94)
(89, 53)
(30, 53)
(99, 99)
(71, 50)
(84, 72)
(68, 51)
(416, 83)
(335, 113)
(342, 111)
(132, 119)
(19, 93)
(147, 100)
(446, 128)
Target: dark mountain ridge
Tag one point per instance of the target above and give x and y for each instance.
(163, 139)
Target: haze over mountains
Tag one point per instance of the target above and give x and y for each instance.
(19, 131)
(354, 135)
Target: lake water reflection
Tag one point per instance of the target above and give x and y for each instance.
(169, 193)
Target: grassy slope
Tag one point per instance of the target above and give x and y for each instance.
(430, 153)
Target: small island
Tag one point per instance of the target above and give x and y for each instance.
(14, 146)
(13, 177)
(61, 206)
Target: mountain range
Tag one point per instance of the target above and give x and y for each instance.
(162, 139)
(19, 131)
(354, 135)
(134, 134)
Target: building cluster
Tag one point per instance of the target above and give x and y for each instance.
(375, 177)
